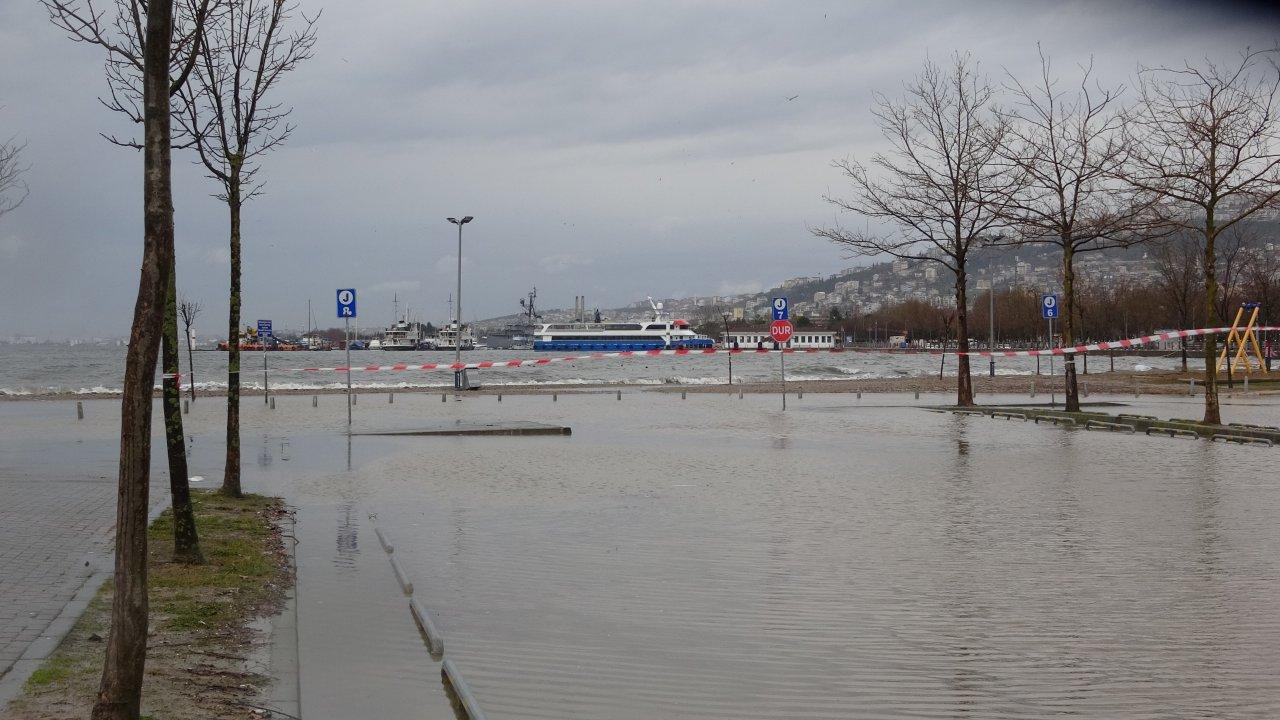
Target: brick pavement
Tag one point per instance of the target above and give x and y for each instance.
(55, 531)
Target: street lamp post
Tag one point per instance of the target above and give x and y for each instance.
(459, 374)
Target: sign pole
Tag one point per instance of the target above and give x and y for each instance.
(782, 361)
(347, 310)
(264, 332)
(347, 321)
(1053, 391)
(780, 332)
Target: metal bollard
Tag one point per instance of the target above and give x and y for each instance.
(682, 395)
(1033, 388)
(739, 394)
(315, 401)
(917, 393)
(1086, 389)
(391, 398)
(555, 397)
(1246, 383)
(443, 398)
(859, 394)
(499, 397)
(354, 398)
(1191, 389)
(619, 394)
(186, 407)
(800, 395)
(273, 402)
(79, 410)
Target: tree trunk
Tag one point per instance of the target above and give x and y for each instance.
(120, 691)
(1069, 324)
(191, 366)
(1184, 352)
(231, 474)
(1212, 414)
(186, 543)
(964, 383)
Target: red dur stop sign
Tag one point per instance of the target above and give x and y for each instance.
(780, 331)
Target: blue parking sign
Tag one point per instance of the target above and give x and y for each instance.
(1049, 306)
(347, 303)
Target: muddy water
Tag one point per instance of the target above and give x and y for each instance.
(716, 558)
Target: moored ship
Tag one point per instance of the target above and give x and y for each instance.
(403, 335)
(518, 335)
(658, 333)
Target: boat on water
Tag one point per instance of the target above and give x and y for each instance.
(403, 335)
(448, 338)
(517, 335)
(658, 333)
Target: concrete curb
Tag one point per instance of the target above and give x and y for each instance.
(435, 641)
(453, 681)
(401, 576)
(285, 667)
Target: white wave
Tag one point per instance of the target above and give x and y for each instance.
(98, 390)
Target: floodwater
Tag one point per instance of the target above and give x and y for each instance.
(91, 369)
(717, 558)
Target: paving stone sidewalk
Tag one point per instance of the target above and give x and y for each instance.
(55, 534)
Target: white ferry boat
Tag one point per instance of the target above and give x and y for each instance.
(659, 333)
(403, 335)
(448, 338)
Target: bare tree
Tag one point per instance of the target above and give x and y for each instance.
(1177, 274)
(1262, 281)
(1067, 143)
(1206, 140)
(141, 61)
(245, 52)
(13, 190)
(189, 310)
(942, 185)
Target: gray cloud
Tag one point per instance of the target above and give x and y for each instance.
(653, 139)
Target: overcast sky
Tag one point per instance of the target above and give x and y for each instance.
(608, 149)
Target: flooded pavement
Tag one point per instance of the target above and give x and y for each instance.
(716, 558)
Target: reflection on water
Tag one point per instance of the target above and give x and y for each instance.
(716, 558)
(348, 538)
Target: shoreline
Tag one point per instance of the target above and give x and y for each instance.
(1107, 382)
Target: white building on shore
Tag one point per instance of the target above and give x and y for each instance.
(801, 339)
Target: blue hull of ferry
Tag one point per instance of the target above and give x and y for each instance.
(619, 345)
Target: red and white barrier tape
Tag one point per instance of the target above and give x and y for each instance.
(1114, 344)
(535, 362)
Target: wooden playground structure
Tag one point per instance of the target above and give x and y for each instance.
(1244, 338)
